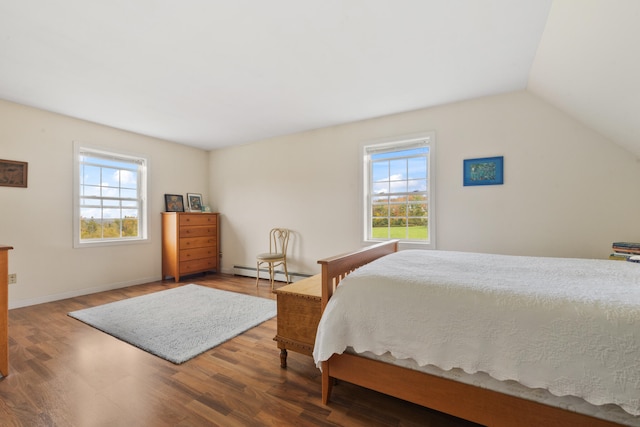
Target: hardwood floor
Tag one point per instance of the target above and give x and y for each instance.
(65, 373)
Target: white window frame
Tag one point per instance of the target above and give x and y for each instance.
(143, 169)
(392, 144)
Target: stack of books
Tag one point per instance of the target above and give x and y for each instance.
(625, 251)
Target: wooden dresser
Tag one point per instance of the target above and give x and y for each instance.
(4, 310)
(190, 243)
(299, 311)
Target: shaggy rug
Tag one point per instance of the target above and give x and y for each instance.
(180, 323)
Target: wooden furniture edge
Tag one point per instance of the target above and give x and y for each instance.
(480, 405)
(4, 310)
(337, 267)
(488, 407)
(307, 292)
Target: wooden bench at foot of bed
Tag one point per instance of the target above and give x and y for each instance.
(472, 403)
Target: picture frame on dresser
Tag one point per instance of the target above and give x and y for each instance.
(194, 201)
(173, 203)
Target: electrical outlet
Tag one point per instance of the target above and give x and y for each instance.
(13, 278)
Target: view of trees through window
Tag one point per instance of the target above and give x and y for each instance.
(90, 228)
(110, 202)
(399, 194)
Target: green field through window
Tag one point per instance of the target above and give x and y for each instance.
(413, 233)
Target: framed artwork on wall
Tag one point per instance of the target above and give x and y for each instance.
(195, 202)
(173, 203)
(13, 174)
(483, 171)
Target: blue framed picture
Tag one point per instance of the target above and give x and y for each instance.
(484, 171)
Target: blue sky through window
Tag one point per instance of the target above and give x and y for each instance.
(108, 188)
(403, 171)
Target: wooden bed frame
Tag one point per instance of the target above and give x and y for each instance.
(465, 401)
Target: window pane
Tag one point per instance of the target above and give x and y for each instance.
(416, 185)
(380, 211)
(111, 213)
(417, 167)
(129, 213)
(110, 177)
(381, 187)
(380, 229)
(91, 228)
(399, 186)
(129, 227)
(398, 170)
(90, 175)
(397, 209)
(128, 194)
(90, 190)
(380, 171)
(110, 192)
(90, 212)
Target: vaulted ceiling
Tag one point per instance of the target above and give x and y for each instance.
(213, 73)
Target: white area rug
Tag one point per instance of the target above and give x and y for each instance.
(179, 323)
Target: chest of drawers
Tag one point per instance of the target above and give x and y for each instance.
(190, 243)
(299, 311)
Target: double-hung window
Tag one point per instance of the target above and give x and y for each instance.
(110, 193)
(398, 190)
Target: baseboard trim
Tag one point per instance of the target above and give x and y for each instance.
(240, 270)
(79, 292)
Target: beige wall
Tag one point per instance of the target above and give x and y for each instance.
(567, 192)
(37, 221)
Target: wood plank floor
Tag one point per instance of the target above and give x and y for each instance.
(65, 373)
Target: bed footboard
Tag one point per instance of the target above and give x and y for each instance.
(336, 268)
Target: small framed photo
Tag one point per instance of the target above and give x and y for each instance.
(484, 171)
(13, 174)
(195, 202)
(173, 203)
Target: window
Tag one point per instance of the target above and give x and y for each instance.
(398, 190)
(110, 197)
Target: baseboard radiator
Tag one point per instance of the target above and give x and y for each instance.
(240, 270)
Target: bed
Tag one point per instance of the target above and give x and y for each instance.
(468, 391)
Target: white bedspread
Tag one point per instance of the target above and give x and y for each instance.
(571, 326)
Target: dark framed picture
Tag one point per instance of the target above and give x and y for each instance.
(195, 202)
(13, 174)
(173, 203)
(484, 171)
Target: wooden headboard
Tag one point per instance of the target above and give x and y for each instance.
(336, 268)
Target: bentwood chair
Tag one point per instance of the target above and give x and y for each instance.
(277, 255)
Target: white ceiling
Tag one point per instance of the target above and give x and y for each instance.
(213, 73)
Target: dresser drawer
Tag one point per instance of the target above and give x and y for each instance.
(198, 265)
(197, 231)
(197, 242)
(196, 219)
(197, 253)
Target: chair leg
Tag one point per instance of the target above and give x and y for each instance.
(286, 273)
(257, 274)
(271, 274)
